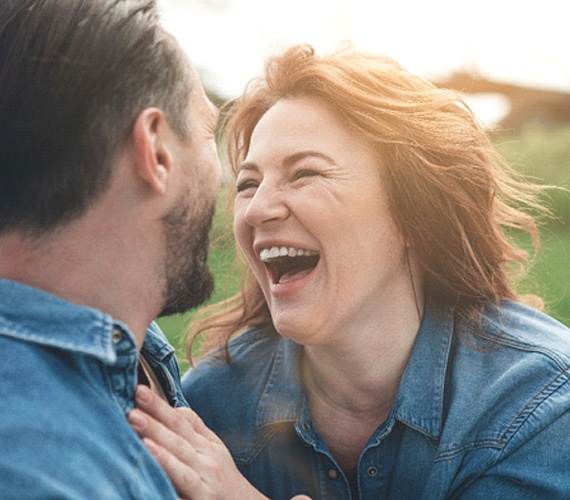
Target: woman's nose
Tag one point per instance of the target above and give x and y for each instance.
(267, 205)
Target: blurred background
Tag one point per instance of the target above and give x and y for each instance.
(509, 59)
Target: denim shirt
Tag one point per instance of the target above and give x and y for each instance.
(483, 416)
(67, 379)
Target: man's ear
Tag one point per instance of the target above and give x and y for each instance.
(153, 156)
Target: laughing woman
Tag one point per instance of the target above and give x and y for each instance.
(378, 348)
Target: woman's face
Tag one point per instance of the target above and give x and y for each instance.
(312, 217)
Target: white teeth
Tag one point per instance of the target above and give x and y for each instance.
(274, 252)
(264, 254)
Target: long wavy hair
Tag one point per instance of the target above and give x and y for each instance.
(453, 198)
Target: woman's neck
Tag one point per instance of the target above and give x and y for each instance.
(361, 370)
(351, 385)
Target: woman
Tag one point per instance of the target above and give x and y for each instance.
(386, 352)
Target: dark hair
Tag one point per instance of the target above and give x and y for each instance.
(74, 75)
(453, 198)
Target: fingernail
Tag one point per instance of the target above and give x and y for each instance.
(144, 394)
(137, 420)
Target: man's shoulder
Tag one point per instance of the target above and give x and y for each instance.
(42, 385)
(62, 432)
(35, 316)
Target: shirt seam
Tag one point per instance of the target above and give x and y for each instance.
(516, 424)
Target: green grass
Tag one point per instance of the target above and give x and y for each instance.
(545, 155)
(549, 277)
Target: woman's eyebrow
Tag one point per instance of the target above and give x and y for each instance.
(248, 165)
(296, 157)
(290, 160)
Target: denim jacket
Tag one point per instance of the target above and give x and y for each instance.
(67, 379)
(476, 416)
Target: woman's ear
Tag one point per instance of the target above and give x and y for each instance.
(153, 157)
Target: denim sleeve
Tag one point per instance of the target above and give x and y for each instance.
(538, 469)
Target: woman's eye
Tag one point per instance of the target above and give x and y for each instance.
(301, 174)
(245, 185)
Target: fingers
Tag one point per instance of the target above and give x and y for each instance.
(184, 479)
(168, 427)
(182, 421)
(178, 430)
(149, 428)
(174, 450)
(160, 410)
(219, 481)
(196, 460)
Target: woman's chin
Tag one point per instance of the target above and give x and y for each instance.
(301, 330)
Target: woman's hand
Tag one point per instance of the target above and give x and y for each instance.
(196, 460)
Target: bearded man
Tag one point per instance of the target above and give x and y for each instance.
(108, 176)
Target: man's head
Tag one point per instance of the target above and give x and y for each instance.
(104, 119)
(74, 75)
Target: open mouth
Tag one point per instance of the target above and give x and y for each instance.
(286, 264)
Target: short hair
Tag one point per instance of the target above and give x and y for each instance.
(453, 198)
(74, 75)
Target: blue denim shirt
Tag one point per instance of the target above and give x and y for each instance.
(474, 417)
(67, 379)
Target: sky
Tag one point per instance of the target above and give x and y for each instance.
(516, 41)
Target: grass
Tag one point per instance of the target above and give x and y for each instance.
(549, 277)
(544, 155)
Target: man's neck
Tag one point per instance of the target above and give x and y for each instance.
(86, 267)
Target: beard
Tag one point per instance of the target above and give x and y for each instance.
(189, 281)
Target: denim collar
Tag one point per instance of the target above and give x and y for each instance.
(420, 398)
(156, 347)
(283, 394)
(36, 316)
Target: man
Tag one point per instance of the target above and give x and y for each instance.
(108, 175)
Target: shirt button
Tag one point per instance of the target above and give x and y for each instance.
(306, 427)
(332, 473)
(116, 336)
(372, 471)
